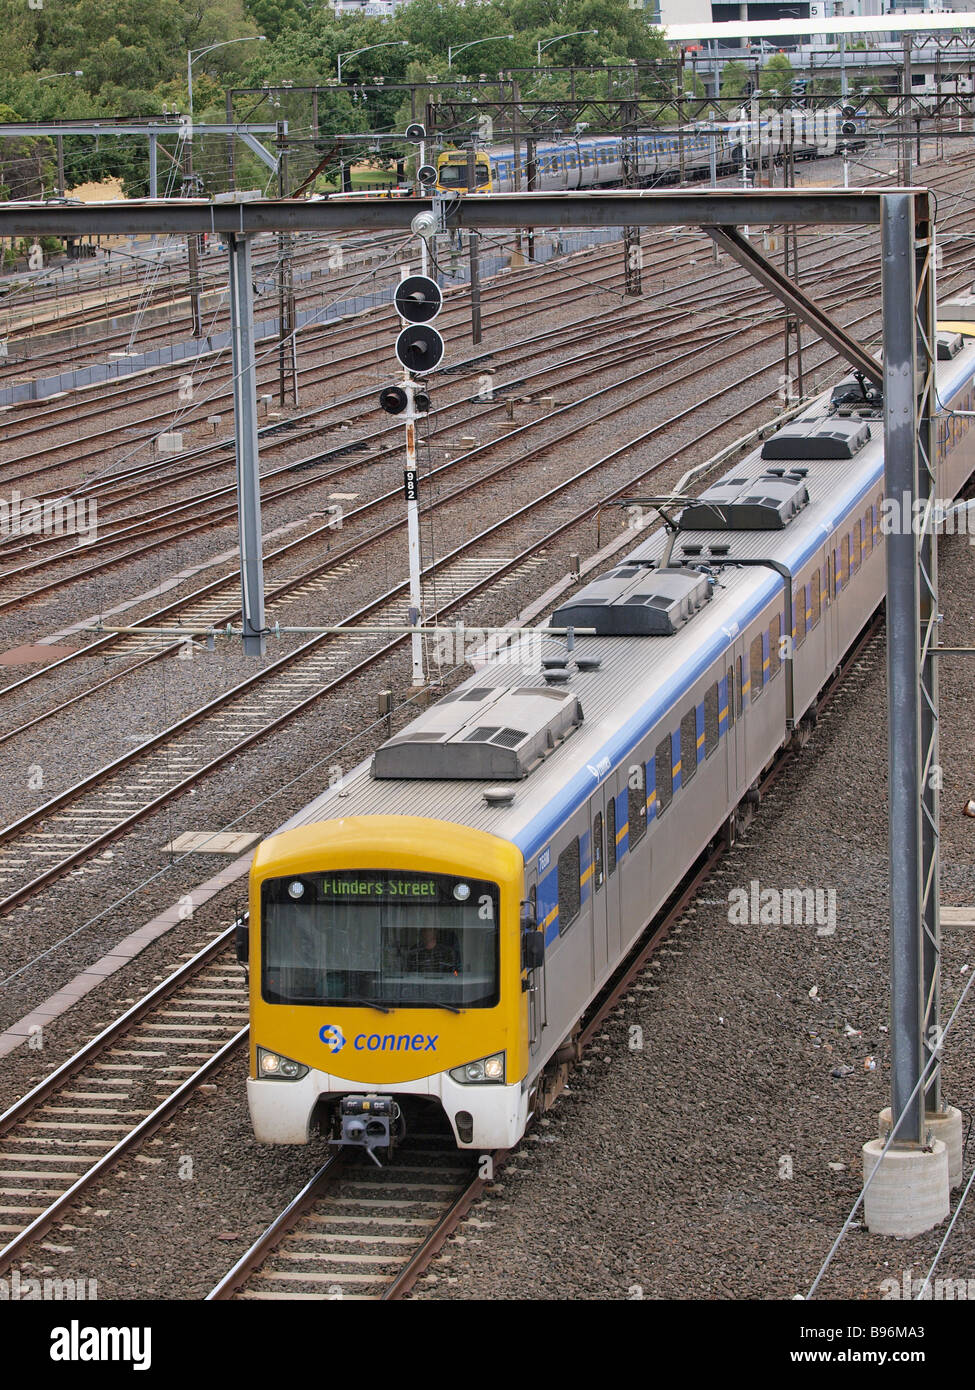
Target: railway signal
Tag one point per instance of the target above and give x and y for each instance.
(418, 299)
(393, 400)
(419, 348)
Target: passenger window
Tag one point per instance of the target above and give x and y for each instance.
(868, 533)
(597, 851)
(731, 697)
(799, 614)
(569, 893)
(688, 746)
(664, 774)
(856, 550)
(611, 833)
(845, 560)
(774, 652)
(710, 721)
(755, 668)
(636, 796)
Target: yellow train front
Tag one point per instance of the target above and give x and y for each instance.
(385, 961)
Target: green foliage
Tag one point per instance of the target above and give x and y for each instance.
(132, 54)
(734, 79)
(25, 163)
(777, 75)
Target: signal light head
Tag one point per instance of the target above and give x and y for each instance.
(393, 400)
(419, 348)
(418, 299)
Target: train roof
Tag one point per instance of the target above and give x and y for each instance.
(624, 698)
(671, 132)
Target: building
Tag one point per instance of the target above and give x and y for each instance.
(371, 9)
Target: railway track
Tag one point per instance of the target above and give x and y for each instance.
(353, 1230)
(342, 1236)
(58, 1140)
(171, 522)
(117, 796)
(135, 293)
(85, 818)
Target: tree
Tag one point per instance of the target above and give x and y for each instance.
(26, 163)
(777, 76)
(734, 79)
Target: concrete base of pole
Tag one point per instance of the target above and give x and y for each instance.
(947, 1127)
(909, 1195)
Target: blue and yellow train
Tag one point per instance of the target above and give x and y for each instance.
(436, 926)
(581, 162)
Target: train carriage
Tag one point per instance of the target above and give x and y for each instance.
(437, 925)
(583, 161)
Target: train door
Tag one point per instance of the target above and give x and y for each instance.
(735, 722)
(614, 827)
(597, 887)
(535, 995)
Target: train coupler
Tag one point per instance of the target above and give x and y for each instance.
(369, 1122)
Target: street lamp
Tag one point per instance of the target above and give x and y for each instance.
(458, 48)
(193, 54)
(76, 72)
(354, 52)
(575, 34)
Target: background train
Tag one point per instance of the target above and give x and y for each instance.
(437, 925)
(597, 161)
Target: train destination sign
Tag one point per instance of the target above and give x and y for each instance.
(346, 887)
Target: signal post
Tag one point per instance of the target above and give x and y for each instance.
(419, 349)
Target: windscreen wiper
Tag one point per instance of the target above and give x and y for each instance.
(365, 1004)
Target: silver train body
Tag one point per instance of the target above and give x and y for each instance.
(610, 773)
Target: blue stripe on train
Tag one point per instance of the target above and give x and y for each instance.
(579, 788)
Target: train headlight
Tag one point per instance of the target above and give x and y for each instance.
(462, 892)
(484, 1072)
(273, 1066)
(296, 889)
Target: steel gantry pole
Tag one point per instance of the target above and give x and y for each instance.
(903, 660)
(908, 1175)
(912, 619)
(246, 442)
(926, 314)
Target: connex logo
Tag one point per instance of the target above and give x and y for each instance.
(396, 1042)
(332, 1036)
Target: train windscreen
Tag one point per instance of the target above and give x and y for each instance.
(389, 939)
(455, 175)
